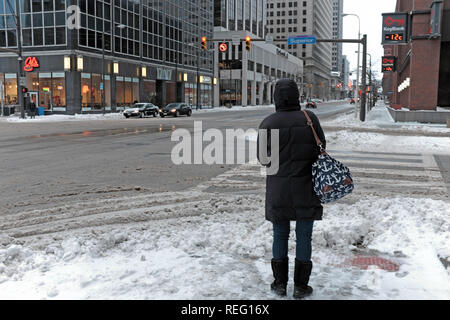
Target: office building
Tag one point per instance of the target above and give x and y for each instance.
(306, 17)
(421, 77)
(152, 52)
(248, 77)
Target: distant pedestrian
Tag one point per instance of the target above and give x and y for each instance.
(32, 110)
(289, 193)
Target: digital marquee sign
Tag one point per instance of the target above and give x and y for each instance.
(395, 28)
(389, 64)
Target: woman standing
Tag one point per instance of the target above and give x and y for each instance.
(289, 193)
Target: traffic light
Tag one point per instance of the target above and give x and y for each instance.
(248, 44)
(24, 90)
(204, 43)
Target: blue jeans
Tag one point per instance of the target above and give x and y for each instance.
(281, 232)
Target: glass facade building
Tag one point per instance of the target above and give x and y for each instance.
(240, 15)
(151, 49)
(248, 77)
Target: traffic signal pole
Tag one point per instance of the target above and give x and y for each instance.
(19, 60)
(362, 114)
(362, 41)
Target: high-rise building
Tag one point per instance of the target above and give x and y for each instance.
(240, 15)
(306, 17)
(152, 52)
(338, 31)
(248, 77)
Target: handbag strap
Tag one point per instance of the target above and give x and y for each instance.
(310, 123)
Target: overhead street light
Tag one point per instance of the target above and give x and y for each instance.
(357, 69)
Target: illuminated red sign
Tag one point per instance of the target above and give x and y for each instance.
(30, 64)
(223, 47)
(389, 21)
(395, 28)
(388, 64)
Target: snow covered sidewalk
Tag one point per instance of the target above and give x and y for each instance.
(217, 245)
(379, 118)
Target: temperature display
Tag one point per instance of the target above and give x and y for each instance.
(394, 37)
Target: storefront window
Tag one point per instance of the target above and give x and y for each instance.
(135, 88)
(45, 90)
(190, 93)
(171, 92)
(120, 89)
(127, 91)
(107, 89)
(96, 94)
(10, 84)
(86, 90)
(59, 89)
(149, 91)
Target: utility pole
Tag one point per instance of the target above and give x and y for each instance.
(364, 80)
(103, 73)
(198, 80)
(370, 84)
(19, 58)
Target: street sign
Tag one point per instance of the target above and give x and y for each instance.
(101, 86)
(389, 64)
(223, 47)
(302, 40)
(22, 81)
(395, 28)
(269, 39)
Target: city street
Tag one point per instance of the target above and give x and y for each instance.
(59, 162)
(102, 198)
(133, 166)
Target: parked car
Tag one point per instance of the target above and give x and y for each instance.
(141, 110)
(175, 109)
(311, 104)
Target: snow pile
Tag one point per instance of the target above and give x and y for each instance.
(226, 255)
(376, 142)
(63, 118)
(379, 117)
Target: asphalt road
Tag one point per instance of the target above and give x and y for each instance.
(43, 165)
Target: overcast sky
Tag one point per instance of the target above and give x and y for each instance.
(369, 12)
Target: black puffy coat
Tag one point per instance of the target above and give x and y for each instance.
(289, 194)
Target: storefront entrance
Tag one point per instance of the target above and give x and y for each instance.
(34, 97)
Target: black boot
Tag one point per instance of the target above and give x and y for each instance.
(301, 279)
(280, 270)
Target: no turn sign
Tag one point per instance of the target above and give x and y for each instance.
(223, 47)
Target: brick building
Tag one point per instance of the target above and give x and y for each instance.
(422, 78)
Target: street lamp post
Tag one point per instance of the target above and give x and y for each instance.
(19, 54)
(357, 69)
(370, 83)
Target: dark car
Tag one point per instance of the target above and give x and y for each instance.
(175, 109)
(141, 110)
(311, 104)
